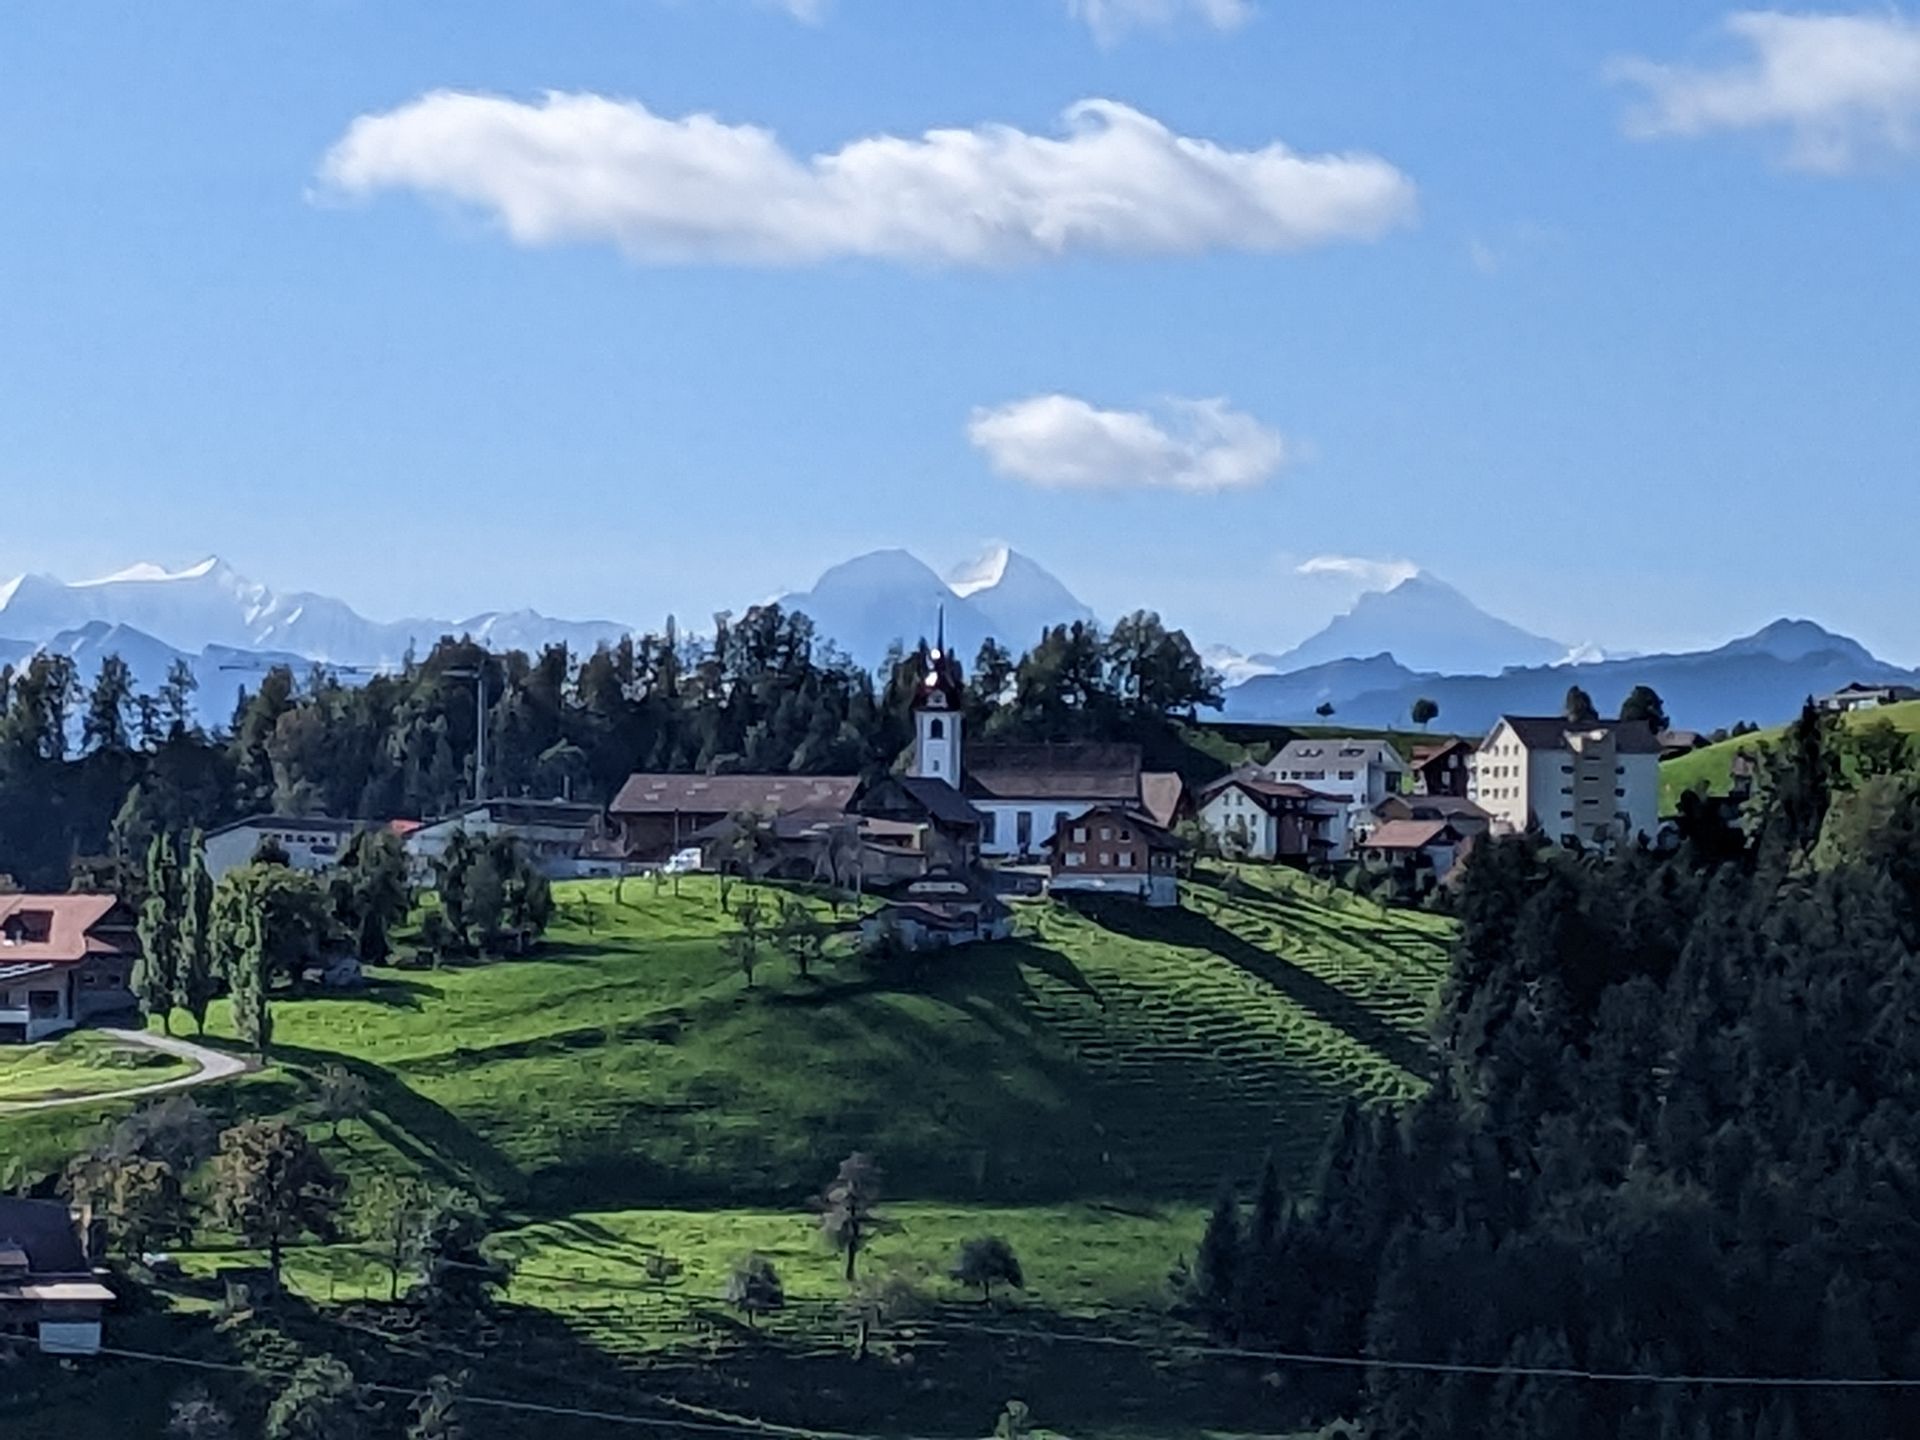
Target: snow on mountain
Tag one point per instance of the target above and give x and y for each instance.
(211, 604)
(886, 597)
(1425, 624)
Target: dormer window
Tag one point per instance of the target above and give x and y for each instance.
(27, 927)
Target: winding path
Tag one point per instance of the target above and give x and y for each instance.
(214, 1065)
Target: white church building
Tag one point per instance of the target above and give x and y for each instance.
(1026, 792)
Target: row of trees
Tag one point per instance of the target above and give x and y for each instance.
(100, 769)
(1671, 1132)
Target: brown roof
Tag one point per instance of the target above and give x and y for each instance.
(1550, 732)
(1425, 755)
(1411, 835)
(730, 794)
(1087, 771)
(1157, 836)
(1429, 807)
(1160, 795)
(1269, 793)
(59, 928)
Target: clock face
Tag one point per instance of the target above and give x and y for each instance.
(936, 699)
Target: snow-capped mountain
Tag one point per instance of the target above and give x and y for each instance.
(1425, 624)
(211, 604)
(866, 604)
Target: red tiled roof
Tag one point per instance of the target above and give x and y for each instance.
(1410, 835)
(68, 921)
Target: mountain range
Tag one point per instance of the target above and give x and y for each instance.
(1422, 638)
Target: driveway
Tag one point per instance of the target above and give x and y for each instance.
(214, 1065)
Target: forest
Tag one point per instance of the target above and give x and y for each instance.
(1673, 1135)
(91, 768)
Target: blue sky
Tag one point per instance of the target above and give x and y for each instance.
(1609, 314)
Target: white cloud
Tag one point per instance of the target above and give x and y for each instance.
(1110, 19)
(1373, 574)
(589, 169)
(1843, 88)
(1062, 443)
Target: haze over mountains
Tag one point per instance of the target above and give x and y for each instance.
(1421, 638)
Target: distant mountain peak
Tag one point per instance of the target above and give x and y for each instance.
(148, 573)
(985, 570)
(1427, 625)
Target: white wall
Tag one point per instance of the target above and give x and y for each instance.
(1045, 816)
(306, 849)
(1232, 808)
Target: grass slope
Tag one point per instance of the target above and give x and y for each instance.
(84, 1062)
(1711, 767)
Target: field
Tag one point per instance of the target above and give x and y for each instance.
(86, 1062)
(1081, 1090)
(1711, 767)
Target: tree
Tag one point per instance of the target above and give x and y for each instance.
(197, 1416)
(436, 1415)
(849, 1210)
(754, 1288)
(1643, 702)
(801, 935)
(1324, 709)
(104, 727)
(986, 1261)
(393, 1211)
(1424, 711)
(195, 976)
(1578, 707)
(744, 943)
(873, 1303)
(270, 1185)
(248, 979)
(138, 1198)
(340, 1095)
(1217, 1265)
(320, 1401)
(457, 1280)
(156, 972)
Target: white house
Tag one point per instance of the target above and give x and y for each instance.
(1360, 772)
(1026, 793)
(1275, 819)
(555, 836)
(1593, 784)
(63, 959)
(311, 842)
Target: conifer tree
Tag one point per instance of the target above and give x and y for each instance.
(249, 977)
(1217, 1264)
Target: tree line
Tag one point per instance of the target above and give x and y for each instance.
(91, 772)
(1671, 1132)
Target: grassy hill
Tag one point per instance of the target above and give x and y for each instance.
(1081, 1089)
(1712, 767)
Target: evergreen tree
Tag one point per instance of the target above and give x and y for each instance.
(1217, 1265)
(320, 1401)
(249, 980)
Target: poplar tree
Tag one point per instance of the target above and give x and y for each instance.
(194, 977)
(248, 980)
(156, 972)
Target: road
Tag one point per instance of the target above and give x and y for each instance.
(215, 1065)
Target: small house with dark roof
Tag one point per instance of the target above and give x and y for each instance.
(1442, 769)
(1261, 819)
(939, 910)
(941, 823)
(47, 1288)
(1114, 850)
(63, 959)
(1430, 846)
(1859, 696)
(1590, 783)
(1465, 816)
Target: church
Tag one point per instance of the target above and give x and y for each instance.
(1024, 793)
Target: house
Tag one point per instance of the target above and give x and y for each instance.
(940, 823)
(1025, 793)
(938, 911)
(1675, 743)
(657, 816)
(47, 1288)
(1413, 846)
(1442, 769)
(1463, 814)
(1579, 783)
(557, 836)
(1361, 773)
(310, 842)
(1114, 850)
(63, 959)
(1274, 819)
(1857, 696)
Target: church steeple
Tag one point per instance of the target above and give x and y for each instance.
(937, 721)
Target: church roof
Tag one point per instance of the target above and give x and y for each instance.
(1089, 771)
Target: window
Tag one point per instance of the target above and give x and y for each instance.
(937, 729)
(989, 827)
(1079, 834)
(1106, 832)
(1126, 835)
(1126, 860)
(1106, 860)
(1023, 829)
(1346, 774)
(1075, 859)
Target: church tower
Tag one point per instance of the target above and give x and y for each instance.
(937, 721)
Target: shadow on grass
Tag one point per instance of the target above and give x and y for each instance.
(1309, 991)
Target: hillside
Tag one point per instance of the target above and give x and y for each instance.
(1082, 1090)
(1712, 767)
